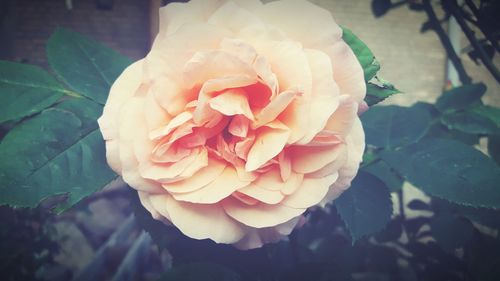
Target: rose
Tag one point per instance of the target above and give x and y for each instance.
(241, 117)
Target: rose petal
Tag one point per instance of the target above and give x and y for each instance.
(200, 221)
(261, 215)
(356, 146)
(156, 116)
(307, 159)
(324, 96)
(284, 15)
(271, 111)
(129, 165)
(146, 202)
(113, 155)
(173, 124)
(240, 49)
(232, 102)
(239, 126)
(232, 17)
(268, 143)
(344, 117)
(262, 194)
(310, 192)
(285, 165)
(347, 71)
(170, 171)
(122, 89)
(222, 187)
(202, 178)
(292, 183)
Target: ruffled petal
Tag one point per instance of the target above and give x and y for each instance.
(122, 89)
(232, 102)
(201, 221)
(262, 194)
(261, 215)
(308, 159)
(347, 71)
(269, 142)
(324, 96)
(355, 142)
(222, 187)
(319, 28)
(310, 192)
(202, 178)
(343, 118)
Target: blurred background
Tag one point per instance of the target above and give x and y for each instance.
(101, 227)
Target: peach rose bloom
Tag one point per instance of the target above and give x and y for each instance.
(242, 116)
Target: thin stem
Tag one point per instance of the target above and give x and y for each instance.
(481, 23)
(457, 13)
(443, 37)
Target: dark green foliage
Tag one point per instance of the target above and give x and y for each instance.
(366, 206)
(395, 126)
(26, 90)
(93, 68)
(450, 170)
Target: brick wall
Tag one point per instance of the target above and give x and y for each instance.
(125, 27)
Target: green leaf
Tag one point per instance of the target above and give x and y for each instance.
(461, 97)
(56, 152)
(483, 216)
(366, 206)
(88, 67)
(470, 123)
(88, 111)
(26, 90)
(394, 126)
(451, 232)
(363, 53)
(489, 112)
(449, 170)
(205, 271)
(385, 173)
(376, 93)
(438, 130)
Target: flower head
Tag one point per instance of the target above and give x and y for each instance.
(242, 116)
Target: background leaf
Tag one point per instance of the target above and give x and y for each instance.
(461, 97)
(442, 225)
(489, 112)
(450, 170)
(26, 90)
(56, 152)
(470, 122)
(494, 148)
(366, 206)
(394, 126)
(88, 67)
(385, 173)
